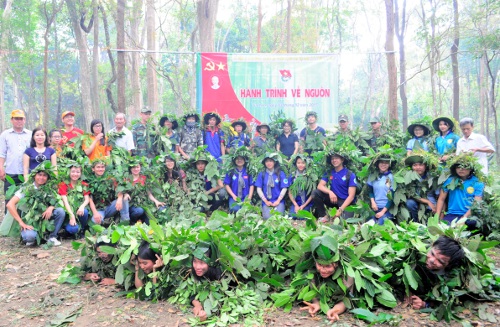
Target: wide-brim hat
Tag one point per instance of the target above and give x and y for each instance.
(166, 118)
(241, 123)
(191, 114)
(412, 159)
(274, 156)
(383, 157)
(209, 115)
(263, 125)
(411, 129)
(336, 153)
(435, 123)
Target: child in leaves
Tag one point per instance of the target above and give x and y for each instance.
(104, 202)
(204, 268)
(326, 256)
(300, 197)
(461, 189)
(380, 188)
(444, 255)
(73, 193)
(239, 184)
(272, 185)
(148, 261)
(101, 267)
(33, 196)
(136, 192)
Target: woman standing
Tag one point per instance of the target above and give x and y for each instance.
(446, 142)
(38, 152)
(288, 142)
(97, 147)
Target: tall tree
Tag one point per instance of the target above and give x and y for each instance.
(151, 56)
(454, 61)
(135, 43)
(120, 55)
(289, 27)
(206, 14)
(3, 45)
(400, 25)
(392, 103)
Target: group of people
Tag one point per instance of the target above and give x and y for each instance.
(280, 179)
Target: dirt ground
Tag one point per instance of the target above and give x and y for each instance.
(30, 296)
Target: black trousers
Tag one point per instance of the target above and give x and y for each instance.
(321, 200)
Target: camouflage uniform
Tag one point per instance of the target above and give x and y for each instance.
(144, 140)
(190, 141)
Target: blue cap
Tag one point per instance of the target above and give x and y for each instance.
(72, 229)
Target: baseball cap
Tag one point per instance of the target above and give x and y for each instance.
(67, 112)
(343, 118)
(18, 113)
(374, 120)
(145, 109)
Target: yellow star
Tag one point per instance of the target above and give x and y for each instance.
(221, 66)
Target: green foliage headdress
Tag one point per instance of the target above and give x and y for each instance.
(191, 114)
(429, 159)
(468, 161)
(209, 115)
(325, 249)
(207, 252)
(310, 113)
(46, 167)
(242, 151)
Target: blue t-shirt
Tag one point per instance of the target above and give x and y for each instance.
(318, 129)
(37, 158)
(338, 183)
(381, 187)
(411, 144)
(231, 179)
(279, 184)
(236, 141)
(174, 138)
(462, 197)
(287, 144)
(298, 199)
(447, 143)
(213, 141)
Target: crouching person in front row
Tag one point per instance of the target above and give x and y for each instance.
(73, 193)
(27, 197)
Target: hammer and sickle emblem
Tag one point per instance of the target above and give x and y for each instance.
(210, 66)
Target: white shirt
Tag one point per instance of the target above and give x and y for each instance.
(126, 141)
(12, 147)
(475, 141)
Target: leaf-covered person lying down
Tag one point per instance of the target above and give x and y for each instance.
(99, 266)
(148, 261)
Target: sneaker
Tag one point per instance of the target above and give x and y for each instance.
(30, 243)
(323, 219)
(54, 241)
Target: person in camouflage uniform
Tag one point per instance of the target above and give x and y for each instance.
(100, 268)
(144, 136)
(190, 137)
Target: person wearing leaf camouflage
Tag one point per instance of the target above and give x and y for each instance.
(311, 130)
(446, 142)
(444, 255)
(217, 194)
(299, 196)
(213, 136)
(144, 135)
(104, 202)
(241, 139)
(341, 191)
(148, 261)
(238, 182)
(461, 189)
(261, 143)
(326, 256)
(72, 193)
(169, 123)
(34, 195)
(417, 163)
(380, 188)
(272, 185)
(190, 136)
(419, 141)
(204, 267)
(99, 266)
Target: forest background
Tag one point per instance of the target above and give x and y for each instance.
(398, 59)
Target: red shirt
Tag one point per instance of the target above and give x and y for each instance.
(66, 136)
(63, 188)
(141, 180)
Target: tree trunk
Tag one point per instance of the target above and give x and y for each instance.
(135, 81)
(392, 103)
(85, 75)
(482, 93)
(259, 26)
(3, 45)
(491, 99)
(120, 55)
(58, 69)
(95, 63)
(454, 62)
(151, 56)
(109, 90)
(289, 27)
(207, 14)
(400, 33)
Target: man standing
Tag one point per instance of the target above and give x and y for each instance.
(344, 124)
(144, 136)
(476, 143)
(127, 140)
(69, 130)
(13, 143)
(312, 129)
(376, 132)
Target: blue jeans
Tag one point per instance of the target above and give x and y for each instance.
(110, 211)
(471, 224)
(266, 211)
(381, 220)
(83, 220)
(58, 215)
(136, 214)
(412, 206)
